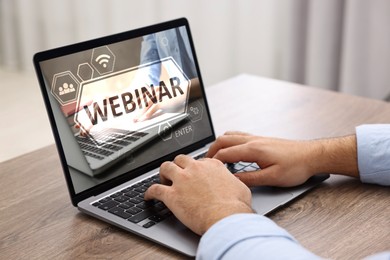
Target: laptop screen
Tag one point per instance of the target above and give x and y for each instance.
(120, 104)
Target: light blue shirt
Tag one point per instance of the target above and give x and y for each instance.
(252, 236)
(165, 44)
(373, 142)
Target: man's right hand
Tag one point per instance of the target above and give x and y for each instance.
(200, 192)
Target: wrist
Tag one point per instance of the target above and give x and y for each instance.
(335, 155)
(222, 211)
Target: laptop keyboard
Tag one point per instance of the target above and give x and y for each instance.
(129, 203)
(112, 141)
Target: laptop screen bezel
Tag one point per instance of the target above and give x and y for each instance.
(86, 45)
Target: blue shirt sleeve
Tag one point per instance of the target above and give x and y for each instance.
(373, 146)
(250, 236)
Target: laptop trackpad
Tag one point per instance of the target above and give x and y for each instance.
(266, 199)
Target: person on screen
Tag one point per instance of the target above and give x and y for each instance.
(170, 43)
(227, 223)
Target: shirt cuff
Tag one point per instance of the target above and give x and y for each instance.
(373, 146)
(248, 234)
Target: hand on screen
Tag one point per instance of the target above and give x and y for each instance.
(165, 105)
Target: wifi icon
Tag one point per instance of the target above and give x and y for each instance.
(103, 59)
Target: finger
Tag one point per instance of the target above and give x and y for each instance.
(149, 113)
(257, 178)
(237, 133)
(140, 114)
(143, 111)
(227, 141)
(183, 161)
(168, 172)
(83, 133)
(157, 191)
(236, 153)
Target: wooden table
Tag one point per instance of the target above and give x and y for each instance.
(341, 219)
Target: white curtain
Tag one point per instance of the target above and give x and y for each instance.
(341, 45)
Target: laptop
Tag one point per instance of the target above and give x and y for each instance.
(121, 105)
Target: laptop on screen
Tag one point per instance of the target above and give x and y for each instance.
(121, 105)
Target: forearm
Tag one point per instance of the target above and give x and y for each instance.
(335, 155)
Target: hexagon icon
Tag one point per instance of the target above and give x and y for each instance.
(165, 131)
(103, 60)
(65, 87)
(195, 111)
(185, 134)
(85, 71)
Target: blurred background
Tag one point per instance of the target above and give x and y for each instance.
(340, 45)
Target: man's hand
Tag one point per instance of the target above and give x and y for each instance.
(283, 162)
(166, 105)
(200, 193)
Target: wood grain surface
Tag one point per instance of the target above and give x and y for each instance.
(341, 219)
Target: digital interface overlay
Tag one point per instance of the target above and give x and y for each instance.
(123, 105)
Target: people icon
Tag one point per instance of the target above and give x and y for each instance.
(66, 88)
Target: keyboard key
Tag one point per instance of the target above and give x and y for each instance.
(93, 155)
(251, 168)
(147, 185)
(121, 198)
(148, 180)
(141, 216)
(104, 200)
(108, 205)
(149, 224)
(131, 139)
(145, 204)
(244, 163)
(156, 218)
(134, 210)
(141, 189)
(126, 205)
(140, 134)
(117, 194)
(126, 189)
(112, 147)
(137, 185)
(159, 206)
(165, 213)
(120, 212)
(136, 200)
(131, 194)
(230, 167)
(156, 179)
